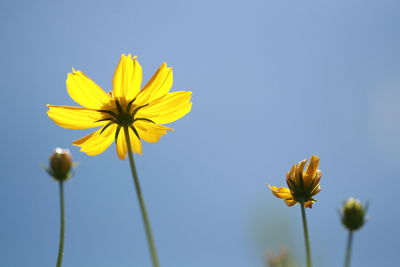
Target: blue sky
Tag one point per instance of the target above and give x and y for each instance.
(273, 83)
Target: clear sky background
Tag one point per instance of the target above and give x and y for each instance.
(273, 83)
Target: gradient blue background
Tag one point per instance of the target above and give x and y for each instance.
(273, 83)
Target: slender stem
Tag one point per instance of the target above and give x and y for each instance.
(145, 217)
(62, 227)
(348, 250)
(306, 238)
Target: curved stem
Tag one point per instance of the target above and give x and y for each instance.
(62, 227)
(348, 250)
(145, 217)
(306, 238)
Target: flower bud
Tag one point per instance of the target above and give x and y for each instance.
(353, 214)
(60, 164)
(280, 259)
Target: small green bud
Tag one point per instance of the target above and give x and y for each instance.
(60, 164)
(353, 214)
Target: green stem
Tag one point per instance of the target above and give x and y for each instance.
(348, 250)
(146, 221)
(306, 238)
(62, 227)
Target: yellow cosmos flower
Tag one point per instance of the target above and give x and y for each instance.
(141, 111)
(303, 185)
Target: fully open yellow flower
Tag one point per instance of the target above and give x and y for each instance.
(126, 106)
(303, 185)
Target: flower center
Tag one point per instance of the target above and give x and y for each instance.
(123, 118)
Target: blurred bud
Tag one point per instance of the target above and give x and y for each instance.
(353, 214)
(60, 164)
(280, 259)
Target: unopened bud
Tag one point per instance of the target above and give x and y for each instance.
(280, 259)
(353, 214)
(60, 164)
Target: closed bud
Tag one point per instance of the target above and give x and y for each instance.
(353, 214)
(280, 259)
(60, 164)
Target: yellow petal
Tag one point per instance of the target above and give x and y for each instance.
(127, 78)
(122, 147)
(158, 86)
(96, 143)
(314, 182)
(173, 116)
(281, 192)
(170, 108)
(308, 204)
(317, 176)
(75, 117)
(86, 92)
(299, 171)
(150, 132)
(312, 167)
(290, 202)
(291, 174)
(316, 190)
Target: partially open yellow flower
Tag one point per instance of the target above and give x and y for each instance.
(303, 185)
(141, 111)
